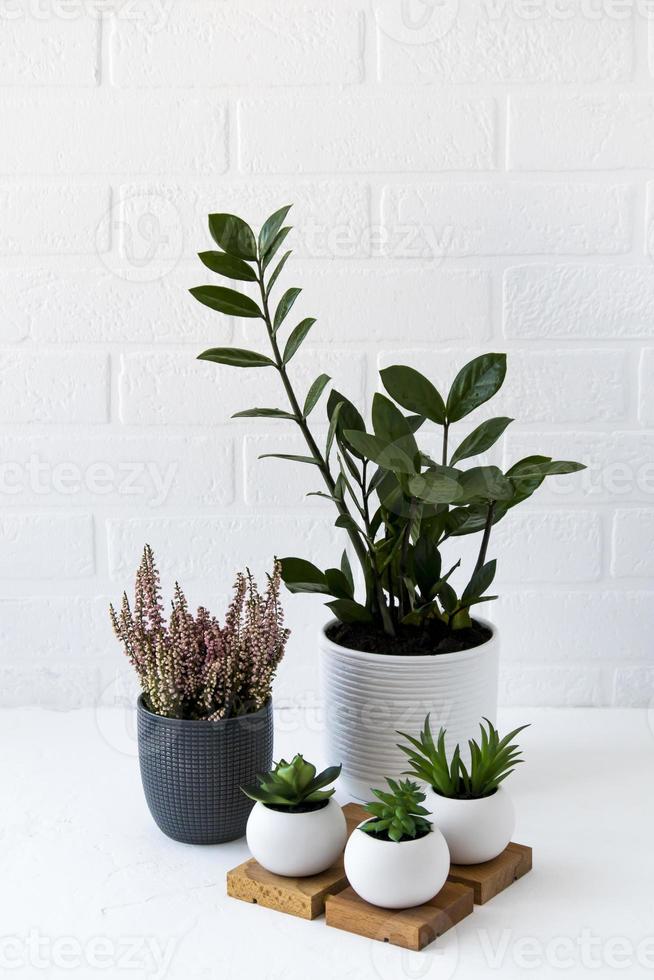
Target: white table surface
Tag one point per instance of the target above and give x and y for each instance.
(90, 887)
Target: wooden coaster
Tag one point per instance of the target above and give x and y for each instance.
(492, 877)
(304, 897)
(411, 928)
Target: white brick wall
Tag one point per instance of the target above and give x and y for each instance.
(466, 176)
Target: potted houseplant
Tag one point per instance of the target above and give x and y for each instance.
(205, 722)
(398, 858)
(473, 811)
(296, 828)
(406, 642)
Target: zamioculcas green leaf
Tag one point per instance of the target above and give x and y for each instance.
(274, 247)
(485, 483)
(226, 301)
(271, 226)
(284, 305)
(277, 272)
(228, 265)
(349, 611)
(475, 383)
(314, 393)
(436, 486)
(413, 391)
(263, 413)
(297, 336)
(391, 426)
(233, 235)
(303, 576)
(236, 357)
(396, 456)
(480, 439)
(293, 459)
(480, 582)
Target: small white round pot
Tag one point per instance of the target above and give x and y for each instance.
(475, 830)
(396, 876)
(369, 696)
(296, 844)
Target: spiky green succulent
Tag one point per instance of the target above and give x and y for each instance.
(293, 784)
(491, 761)
(398, 813)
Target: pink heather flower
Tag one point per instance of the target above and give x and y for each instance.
(192, 667)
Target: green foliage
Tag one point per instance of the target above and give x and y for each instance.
(491, 761)
(398, 813)
(396, 503)
(292, 784)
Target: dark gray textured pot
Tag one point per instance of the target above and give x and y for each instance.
(192, 772)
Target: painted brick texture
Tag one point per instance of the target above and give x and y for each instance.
(480, 177)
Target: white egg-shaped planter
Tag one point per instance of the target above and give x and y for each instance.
(296, 844)
(475, 830)
(369, 696)
(396, 875)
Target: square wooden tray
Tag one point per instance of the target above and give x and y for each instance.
(492, 877)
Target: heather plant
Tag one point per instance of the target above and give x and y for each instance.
(192, 666)
(398, 502)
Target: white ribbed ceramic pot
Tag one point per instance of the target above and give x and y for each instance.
(369, 697)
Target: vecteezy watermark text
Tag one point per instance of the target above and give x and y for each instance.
(139, 478)
(128, 953)
(150, 15)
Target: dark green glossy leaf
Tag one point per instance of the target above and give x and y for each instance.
(274, 247)
(485, 483)
(390, 425)
(271, 226)
(303, 576)
(226, 301)
(448, 598)
(236, 357)
(413, 391)
(348, 611)
(349, 417)
(297, 336)
(290, 457)
(475, 383)
(263, 413)
(332, 431)
(277, 272)
(481, 581)
(439, 485)
(314, 393)
(346, 568)
(338, 584)
(228, 265)
(480, 439)
(284, 305)
(427, 565)
(233, 235)
(524, 487)
(554, 467)
(396, 456)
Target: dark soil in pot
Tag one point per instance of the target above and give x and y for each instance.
(383, 836)
(435, 638)
(300, 808)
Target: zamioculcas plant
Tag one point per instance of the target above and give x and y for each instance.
(397, 502)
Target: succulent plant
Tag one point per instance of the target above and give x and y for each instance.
(491, 761)
(398, 813)
(398, 501)
(293, 784)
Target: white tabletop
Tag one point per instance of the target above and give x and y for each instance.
(90, 887)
